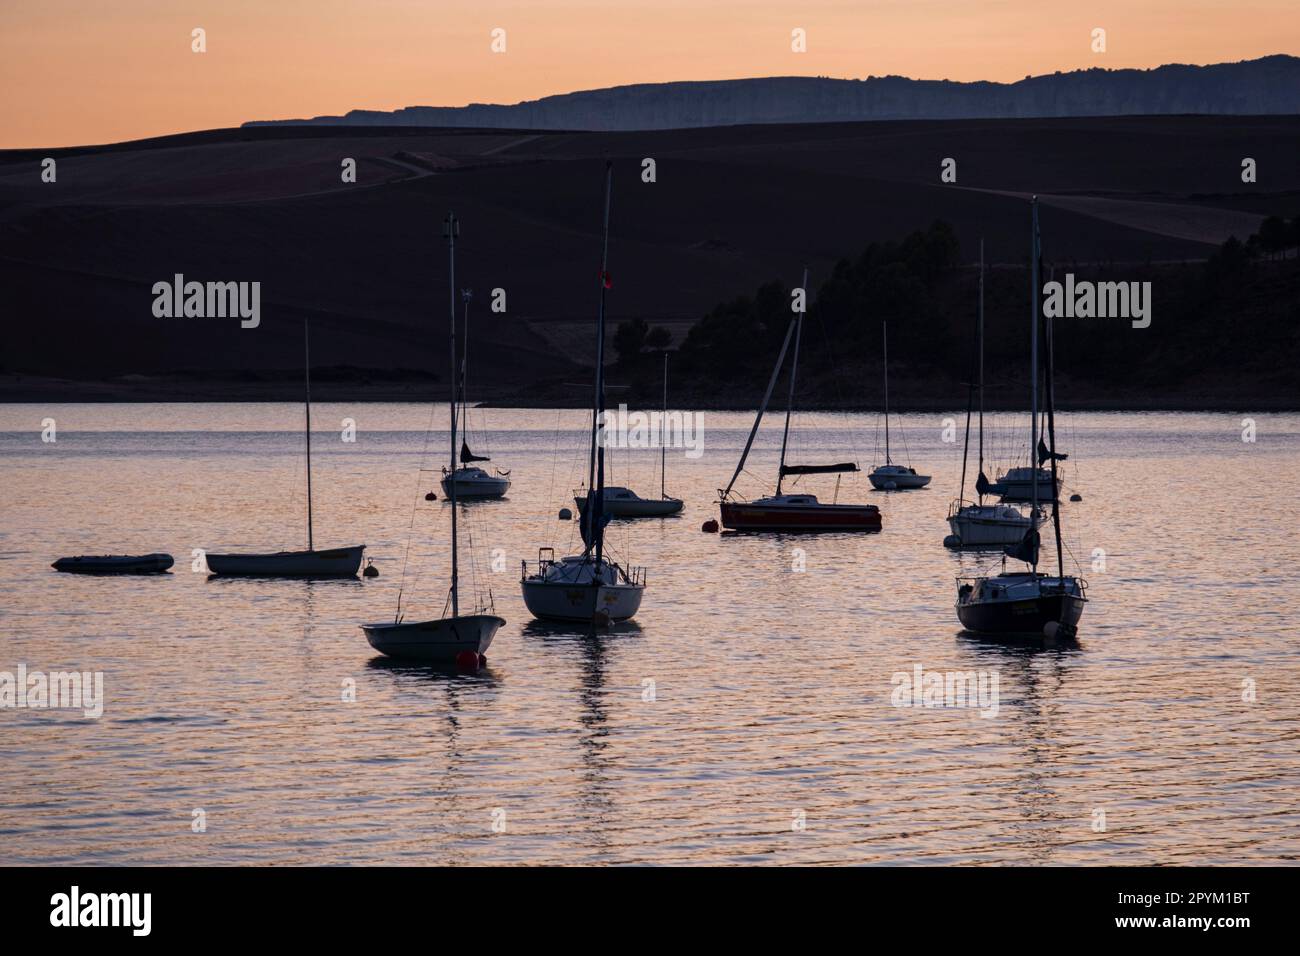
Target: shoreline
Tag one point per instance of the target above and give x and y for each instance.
(39, 391)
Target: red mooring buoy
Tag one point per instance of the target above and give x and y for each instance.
(467, 660)
(709, 527)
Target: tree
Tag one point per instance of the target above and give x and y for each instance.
(658, 339)
(1273, 235)
(630, 339)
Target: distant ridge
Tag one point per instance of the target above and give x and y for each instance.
(1269, 85)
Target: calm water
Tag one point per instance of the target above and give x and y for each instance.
(771, 693)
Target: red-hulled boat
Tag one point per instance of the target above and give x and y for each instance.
(792, 512)
(797, 513)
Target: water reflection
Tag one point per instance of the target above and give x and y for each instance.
(592, 647)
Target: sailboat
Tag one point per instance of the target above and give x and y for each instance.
(470, 480)
(331, 563)
(1023, 484)
(1029, 602)
(974, 524)
(783, 511)
(450, 638)
(889, 476)
(624, 502)
(588, 586)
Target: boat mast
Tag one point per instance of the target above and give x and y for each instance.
(1051, 441)
(794, 368)
(466, 295)
(596, 506)
(980, 337)
(762, 409)
(884, 326)
(306, 348)
(663, 449)
(1034, 302)
(451, 229)
(970, 393)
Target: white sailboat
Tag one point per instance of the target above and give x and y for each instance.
(1029, 603)
(470, 480)
(588, 587)
(976, 525)
(786, 512)
(450, 639)
(330, 563)
(890, 476)
(623, 502)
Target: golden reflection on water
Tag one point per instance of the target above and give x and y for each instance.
(747, 695)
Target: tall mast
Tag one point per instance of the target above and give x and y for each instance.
(885, 332)
(762, 409)
(466, 295)
(1034, 303)
(306, 348)
(663, 449)
(1051, 441)
(980, 337)
(597, 505)
(451, 229)
(794, 368)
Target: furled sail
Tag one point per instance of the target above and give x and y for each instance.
(590, 508)
(818, 469)
(1045, 454)
(1027, 549)
(982, 485)
(466, 456)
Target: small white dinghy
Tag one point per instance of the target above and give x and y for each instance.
(457, 640)
(114, 564)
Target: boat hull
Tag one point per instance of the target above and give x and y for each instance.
(471, 488)
(560, 601)
(891, 482)
(1021, 491)
(641, 508)
(748, 516)
(115, 564)
(973, 531)
(1028, 617)
(441, 641)
(332, 563)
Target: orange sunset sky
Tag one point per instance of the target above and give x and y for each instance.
(91, 71)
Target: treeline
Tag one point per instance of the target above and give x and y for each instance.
(1232, 319)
